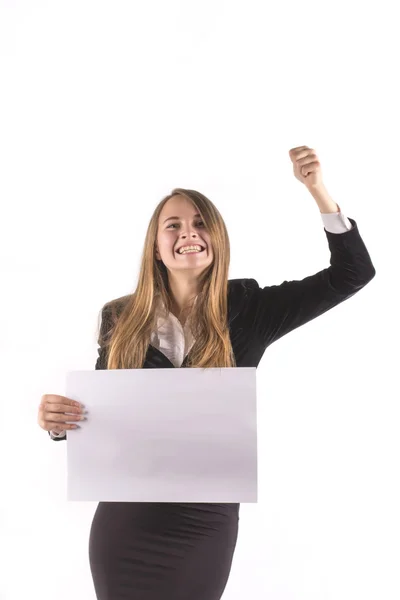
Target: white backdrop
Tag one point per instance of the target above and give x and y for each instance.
(105, 107)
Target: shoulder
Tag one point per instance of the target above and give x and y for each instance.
(115, 307)
(240, 291)
(241, 287)
(109, 315)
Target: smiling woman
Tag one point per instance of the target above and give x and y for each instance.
(189, 284)
(187, 234)
(151, 550)
(158, 551)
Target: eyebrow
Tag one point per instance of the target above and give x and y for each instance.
(169, 218)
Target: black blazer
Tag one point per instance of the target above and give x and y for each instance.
(258, 317)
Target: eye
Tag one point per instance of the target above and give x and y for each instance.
(172, 224)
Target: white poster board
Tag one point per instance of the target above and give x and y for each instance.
(164, 435)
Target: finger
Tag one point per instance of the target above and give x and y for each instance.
(307, 160)
(58, 426)
(57, 398)
(51, 401)
(302, 153)
(63, 417)
(310, 168)
(298, 148)
(53, 426)
(295, 151)
(59, 408)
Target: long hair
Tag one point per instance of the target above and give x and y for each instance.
(128, 322)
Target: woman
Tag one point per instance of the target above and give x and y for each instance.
(185, 313)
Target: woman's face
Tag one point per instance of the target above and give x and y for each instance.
(184, 229)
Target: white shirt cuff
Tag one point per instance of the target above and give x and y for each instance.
(53, 434)
(336, 222)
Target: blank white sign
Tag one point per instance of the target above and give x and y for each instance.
(164, 435)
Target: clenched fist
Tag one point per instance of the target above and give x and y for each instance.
(306, 166)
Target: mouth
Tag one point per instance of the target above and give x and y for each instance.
(192, 251)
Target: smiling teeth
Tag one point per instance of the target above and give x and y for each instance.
(189, 249)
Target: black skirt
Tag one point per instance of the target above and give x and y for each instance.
(162, 551)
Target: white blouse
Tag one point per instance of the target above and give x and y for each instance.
(175, 341)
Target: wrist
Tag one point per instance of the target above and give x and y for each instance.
(324, 201)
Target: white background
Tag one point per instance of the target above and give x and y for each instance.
(105, 107)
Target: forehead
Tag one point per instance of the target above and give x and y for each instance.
(177, 206)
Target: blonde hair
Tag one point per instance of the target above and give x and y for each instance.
(127, 322)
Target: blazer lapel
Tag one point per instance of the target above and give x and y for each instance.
(155, 359)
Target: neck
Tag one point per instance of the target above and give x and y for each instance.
(183, 295)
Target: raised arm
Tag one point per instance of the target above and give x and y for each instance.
(274, 311)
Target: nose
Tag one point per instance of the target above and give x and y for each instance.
(189, 235)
